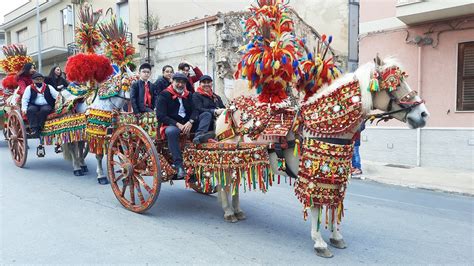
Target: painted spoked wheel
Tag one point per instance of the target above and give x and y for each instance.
(133, 166)
(16, 137)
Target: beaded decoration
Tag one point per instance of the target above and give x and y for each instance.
(228, 164)
(335, 114)
(322, 177)
(97, 123)
(69, 128)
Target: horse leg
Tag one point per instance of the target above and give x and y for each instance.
(82, 145)
(239, 214)
(229, 215)
(320, 246)
(336, 240)
(75, 159)
(101, 178)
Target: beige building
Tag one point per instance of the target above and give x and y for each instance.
(56, 25)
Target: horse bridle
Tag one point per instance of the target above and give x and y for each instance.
(390, 79)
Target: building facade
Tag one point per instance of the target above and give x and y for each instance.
(57, 22)
(434, 40)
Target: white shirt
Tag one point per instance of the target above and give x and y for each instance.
(40, 100)
(181, 111)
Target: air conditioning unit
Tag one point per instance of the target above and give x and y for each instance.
(67, 16)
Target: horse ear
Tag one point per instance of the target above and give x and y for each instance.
(378, 61)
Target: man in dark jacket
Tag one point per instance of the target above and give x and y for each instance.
(208, 106)
(175, 110)
(143, 92)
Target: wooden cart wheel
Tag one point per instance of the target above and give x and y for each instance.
(133, 166)
(16, 137)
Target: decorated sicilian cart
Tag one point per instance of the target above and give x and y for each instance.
(61, 127)
(271, 134)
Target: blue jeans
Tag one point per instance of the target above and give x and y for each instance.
(356, 158)
(172, 135)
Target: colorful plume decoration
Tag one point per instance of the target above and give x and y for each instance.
(15, 58)
(118, 49)
(270, 61)
(316, 71)
(88, 37)
(82, 68)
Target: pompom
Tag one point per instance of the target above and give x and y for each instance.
(9, 82)
(88, 67)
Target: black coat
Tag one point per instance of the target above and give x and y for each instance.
(137, 96)
(205, 104)
(167, 109)
(161, 84)
(55, 82)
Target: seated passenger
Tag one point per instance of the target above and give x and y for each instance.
(37, 102)
(174, 109)
(185, 68)
(143, 92)
(208, 105)
(165, 80)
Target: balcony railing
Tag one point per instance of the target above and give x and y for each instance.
(49, 39)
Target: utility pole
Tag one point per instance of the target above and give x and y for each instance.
(38, 27)
(147, 34)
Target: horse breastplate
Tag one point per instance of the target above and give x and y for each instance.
(335, 114)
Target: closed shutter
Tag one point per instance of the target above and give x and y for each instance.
(465, 95)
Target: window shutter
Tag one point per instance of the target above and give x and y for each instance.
(465, 90)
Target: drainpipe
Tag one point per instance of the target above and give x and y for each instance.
(205, 48)
(418, 130)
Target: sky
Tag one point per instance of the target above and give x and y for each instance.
(8, 6)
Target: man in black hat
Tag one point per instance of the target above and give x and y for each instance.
(208, 105)
(175, 110)
(38, 102)
(143, 92)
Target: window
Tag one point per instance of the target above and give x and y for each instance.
(22, 35)
(122, 11)
(465, 90)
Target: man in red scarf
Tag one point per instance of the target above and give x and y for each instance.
(175, 110)
(209, 105)
(37, 102)
(143, 92)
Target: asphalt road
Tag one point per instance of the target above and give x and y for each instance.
(50, 216)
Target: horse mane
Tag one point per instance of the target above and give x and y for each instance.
(363, 74)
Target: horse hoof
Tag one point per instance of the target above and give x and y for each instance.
(78, 172)
(102, 180)
(230, 218)
(323, 252)
(240, 216)
(337, 243)
(84, 169)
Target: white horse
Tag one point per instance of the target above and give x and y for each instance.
(114, 103)
(400, 103)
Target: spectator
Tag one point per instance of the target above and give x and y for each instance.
(356, 162)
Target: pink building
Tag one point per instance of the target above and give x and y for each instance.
(434, 40)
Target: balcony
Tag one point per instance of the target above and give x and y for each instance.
(421, 11)
(52, 44)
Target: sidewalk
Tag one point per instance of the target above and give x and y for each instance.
(441, 179)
